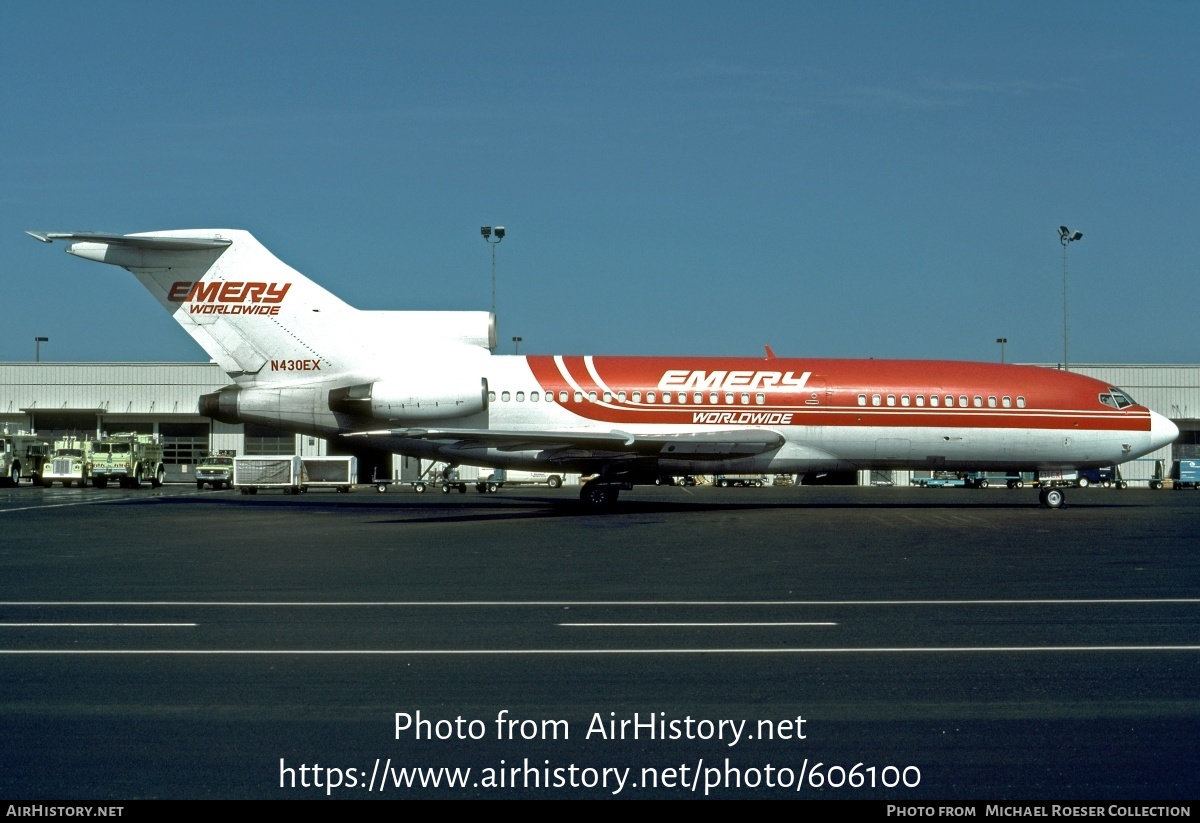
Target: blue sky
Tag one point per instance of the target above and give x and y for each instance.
(860, 179)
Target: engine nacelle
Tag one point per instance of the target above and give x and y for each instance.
(413, 398)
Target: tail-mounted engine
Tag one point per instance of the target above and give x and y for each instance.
(429, 397)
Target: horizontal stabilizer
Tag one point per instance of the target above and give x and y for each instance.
(134, 241)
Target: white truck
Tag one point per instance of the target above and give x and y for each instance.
(22, 455)
(128, 458)
(252, 473)
(68, 464)
(515, 477)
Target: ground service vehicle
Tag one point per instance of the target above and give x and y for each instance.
(132, 459)
(216, 470)
(22, 455)
(727, 480)
(269, 472)
(1186, 474)
(68, 464)
(1106, 477)
(982, 480)
(515, 477)
(433, 388)
(339, 472)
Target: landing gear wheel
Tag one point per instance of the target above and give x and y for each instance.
(1052, 498)
(598, 496)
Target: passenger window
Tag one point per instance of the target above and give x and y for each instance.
(534, 397)
(592, 396)
(649, 397)
(713, 398)
(491, 397)
(978, 402)
(637, 397)
(745, 399)
(578, 397)
(621, 396)
(933, 399)
(1006, 402)
(608, 397)
(962, 400)
(697, 397)
(991, 402)
(949, 400)
(562, 397)
(904, 400)
(876, 400)
(520, 397)
(505, 396)
(760, 398)
(891, 399)
(1020, 402)
(920, 400)
(862, 400)
(729, 397)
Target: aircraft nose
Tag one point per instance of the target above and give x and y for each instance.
(1162, 431)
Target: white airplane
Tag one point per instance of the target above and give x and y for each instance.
(304, 361)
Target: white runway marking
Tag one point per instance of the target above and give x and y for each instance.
(573, 652)
(659, 625)
(574, 603)
(93, 625)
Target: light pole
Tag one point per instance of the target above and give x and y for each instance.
(516, 344)
(1066, 237)
(488, 233)
(37, 348)
(1001, 341)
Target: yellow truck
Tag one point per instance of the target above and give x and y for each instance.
(132, 459)
(68, 463)
(22, 455)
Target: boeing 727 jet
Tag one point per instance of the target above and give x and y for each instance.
(300, 361)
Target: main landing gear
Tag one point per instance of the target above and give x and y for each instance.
(1052, 498)
(598, 494)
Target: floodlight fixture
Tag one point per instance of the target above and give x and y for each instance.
(1066, 237)
(488, 233)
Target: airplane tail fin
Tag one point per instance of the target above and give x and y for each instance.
(259, 318)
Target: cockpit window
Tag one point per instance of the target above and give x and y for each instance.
(1116, 398)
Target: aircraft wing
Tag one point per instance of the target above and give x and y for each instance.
(713, 445)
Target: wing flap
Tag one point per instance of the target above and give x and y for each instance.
(697, 446)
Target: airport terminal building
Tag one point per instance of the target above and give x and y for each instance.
(89, 399)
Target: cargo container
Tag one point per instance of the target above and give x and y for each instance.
(261, 472)
(339, 472)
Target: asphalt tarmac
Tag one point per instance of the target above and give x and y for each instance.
(892, 643)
